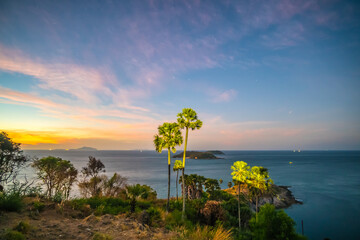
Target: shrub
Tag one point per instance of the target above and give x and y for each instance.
(273, 224)
(38, 206)
(12, 235)
(205, 233)
(11, 202)
(23, 227)
(173, 219)
(154, 216)
(101, 236)
(101, 205)
(212, 212)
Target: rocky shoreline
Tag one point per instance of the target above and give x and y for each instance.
(281, 197)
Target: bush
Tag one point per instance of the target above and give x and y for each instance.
(11, 202)
(205, 233)
(231, 209)
(154, 216)
(23, 227)
(273, 225)
(173, 219)
(12, 235)
(38, 206)
(101, 236)
(101, 205)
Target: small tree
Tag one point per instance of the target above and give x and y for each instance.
(177, 166)
(229, 184)
(11, 159)
(113, 187)
(273, 224)
(135, 192)
(57, 174)
(91, 183)
(240, 174)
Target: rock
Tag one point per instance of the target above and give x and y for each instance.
(281, 197)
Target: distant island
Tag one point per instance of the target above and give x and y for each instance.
(75, 149)
(199, 155)
(216, 152)
(83, 149)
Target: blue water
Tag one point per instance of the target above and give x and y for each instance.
(328, 182)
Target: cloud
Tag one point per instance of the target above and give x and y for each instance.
(225, 96)
(84, 83)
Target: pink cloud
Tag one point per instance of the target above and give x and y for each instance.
(82, 82)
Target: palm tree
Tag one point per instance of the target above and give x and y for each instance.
(258, 182)
(169, 136)
(177, 166)
(134, 192)
(187, 119)
(240, 175)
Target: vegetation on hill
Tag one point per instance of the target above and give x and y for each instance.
(210, 213)
(197, 155)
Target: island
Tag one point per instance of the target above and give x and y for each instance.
(216, 152)
(83, 149)
(197, 155)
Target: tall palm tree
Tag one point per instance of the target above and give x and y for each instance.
(168, 137)
(187, 119)
(240, 175)
(259, 182)
(177, 166)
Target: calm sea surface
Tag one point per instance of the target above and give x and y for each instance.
(328, 182)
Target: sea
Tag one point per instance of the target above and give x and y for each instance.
(327, 182)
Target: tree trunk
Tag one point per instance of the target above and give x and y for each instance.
(168, 201)
(183, 193)
(239, 207)
(256, 207)
(183, 174)
(177, 191)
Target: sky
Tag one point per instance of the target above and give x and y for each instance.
(261, 75)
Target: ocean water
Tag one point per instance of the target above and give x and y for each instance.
(328, 182)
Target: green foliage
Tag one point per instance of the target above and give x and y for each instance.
(101, 205)
(23, 227)
(101, 236)
(91, 182)
(114, 186)
(168, 137)
(38, 206)
(57, 174)
(11, 202)
(220, 195)
(188, 119)
(240, 171)
(12, 235)
(136, 192)
(95, 185)
(273, 224)
(11, 158)
(154, 216)
(174, 219)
